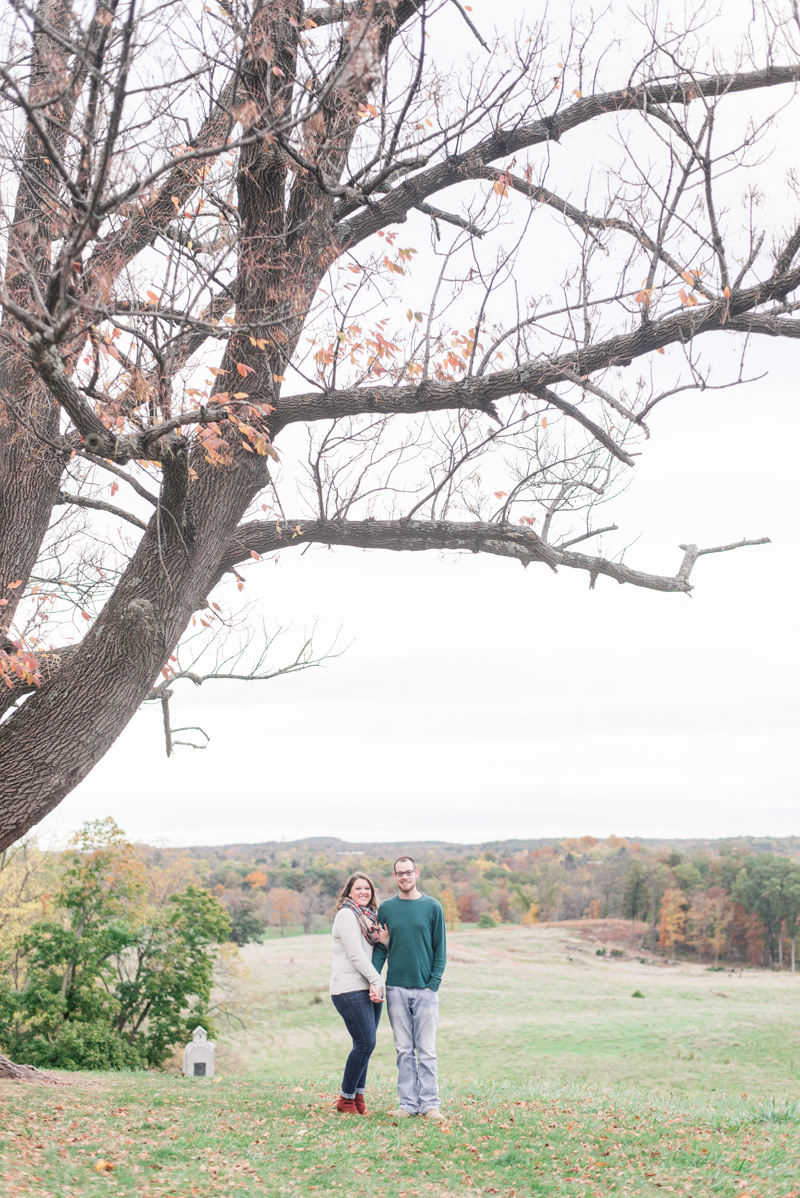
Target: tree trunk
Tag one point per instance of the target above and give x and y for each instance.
(24, 1073)
(60, 737)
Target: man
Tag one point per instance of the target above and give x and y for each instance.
(417, 954)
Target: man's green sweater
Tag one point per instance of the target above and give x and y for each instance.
(417, 948)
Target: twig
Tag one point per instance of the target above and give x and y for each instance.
(463, 12)
(100, 506)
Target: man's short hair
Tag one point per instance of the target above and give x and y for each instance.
(405, 857)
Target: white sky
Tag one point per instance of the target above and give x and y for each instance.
(478, 700)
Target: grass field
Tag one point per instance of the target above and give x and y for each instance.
(538, 1004)
(555, 1080)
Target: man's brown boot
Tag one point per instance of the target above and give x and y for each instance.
(361, 1106)
(346, 1106)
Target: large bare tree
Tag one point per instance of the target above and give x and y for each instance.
(243, 232)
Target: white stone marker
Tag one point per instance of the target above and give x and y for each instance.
(198, 1057)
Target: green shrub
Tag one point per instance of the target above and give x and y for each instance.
(83, 1046)
(114, 981)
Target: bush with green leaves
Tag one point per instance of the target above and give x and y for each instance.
(247, 924)
(113, 980)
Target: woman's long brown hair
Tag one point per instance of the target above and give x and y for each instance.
(348, 886)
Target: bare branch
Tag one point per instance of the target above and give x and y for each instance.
(100, 506)
(479, 394)
(522, 545)
(504, 144)
(466, 17)
(585, 536)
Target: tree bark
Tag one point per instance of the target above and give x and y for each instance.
(23, 1073)
(52, 743)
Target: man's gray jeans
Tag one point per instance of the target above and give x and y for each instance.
(414, 1016)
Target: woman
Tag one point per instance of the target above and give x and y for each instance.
(355, 932)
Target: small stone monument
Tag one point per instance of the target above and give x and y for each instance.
(198, 1057)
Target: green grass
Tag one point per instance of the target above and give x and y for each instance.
(538, 1004)
(555, 1080)
(201, 1139)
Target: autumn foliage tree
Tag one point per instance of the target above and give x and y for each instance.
(273, 278)
(450, 908)
(284, 908)
(673, 918)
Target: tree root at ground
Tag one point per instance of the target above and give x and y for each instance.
(24, 1073)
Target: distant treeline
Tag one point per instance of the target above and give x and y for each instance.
(713, 901)
(732, 901)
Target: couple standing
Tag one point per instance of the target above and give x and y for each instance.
(409, 930)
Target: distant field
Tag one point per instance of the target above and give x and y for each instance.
(537, 1004)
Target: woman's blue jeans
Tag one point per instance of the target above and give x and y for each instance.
(361, 1018)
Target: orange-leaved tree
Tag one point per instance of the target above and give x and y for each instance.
(236, 230)
(284, 907)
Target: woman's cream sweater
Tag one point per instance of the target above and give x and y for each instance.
(352, 955)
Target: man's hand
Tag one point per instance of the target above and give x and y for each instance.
(376, 992)
(383, 934)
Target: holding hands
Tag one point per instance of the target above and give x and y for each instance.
(376, 989)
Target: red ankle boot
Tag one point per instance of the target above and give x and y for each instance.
(361, 1106)
(346, 1106)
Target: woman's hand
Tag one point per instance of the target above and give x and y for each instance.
(383, 934)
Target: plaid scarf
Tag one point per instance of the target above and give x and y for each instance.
(367, 917)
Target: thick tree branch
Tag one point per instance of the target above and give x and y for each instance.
(502, 540)
(479, 394)
(456, 168)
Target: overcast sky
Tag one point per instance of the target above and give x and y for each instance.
(476, 700)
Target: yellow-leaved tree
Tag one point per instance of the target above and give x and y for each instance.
(673, 919)
(450, 908)
(27, 878)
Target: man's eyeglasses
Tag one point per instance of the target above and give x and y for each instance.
(404, 873)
